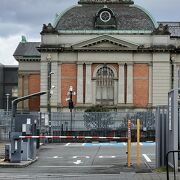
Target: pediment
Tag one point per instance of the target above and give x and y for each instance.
(105, 42)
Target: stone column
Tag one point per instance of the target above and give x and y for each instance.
(20, 90)
(121, 84)
(59, 84)
(175, 78)
(79, 83)
(150, 83)
(94, 92)
(130, 83)
(44, 77)
(88, 95)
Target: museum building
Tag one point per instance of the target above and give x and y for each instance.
(112, 52)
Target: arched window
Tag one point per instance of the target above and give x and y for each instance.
(105, 86)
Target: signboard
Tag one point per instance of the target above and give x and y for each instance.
(170, 115)
(172, 130)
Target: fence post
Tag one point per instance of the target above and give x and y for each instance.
(129, 143)
(138, 144)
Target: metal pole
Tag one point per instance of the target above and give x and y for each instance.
(138, 143)
(129, 143)
(71, 119)
(49, 95)
(174, 167)
(71, 109)
(7, 103)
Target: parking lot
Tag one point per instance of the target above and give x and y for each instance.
(85, 158)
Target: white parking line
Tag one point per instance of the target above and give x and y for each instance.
(147, 158)
(100, 157)
(96, 166)
(67, 144)
(78, 162)
(54, 157)
(74, 157)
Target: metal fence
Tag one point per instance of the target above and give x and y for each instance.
(5, 119)
(88, 123)
(98, 124)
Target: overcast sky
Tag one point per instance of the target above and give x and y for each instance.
(26, 17)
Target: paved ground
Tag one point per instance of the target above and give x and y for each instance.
(86, 161)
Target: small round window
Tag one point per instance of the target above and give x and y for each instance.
(105, 16)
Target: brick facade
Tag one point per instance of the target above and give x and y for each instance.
(34, 86)
(141, 85)
(68, 78)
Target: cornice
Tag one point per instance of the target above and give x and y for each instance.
(28, 59)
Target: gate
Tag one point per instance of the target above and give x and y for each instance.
(113, 124)
(107, 124)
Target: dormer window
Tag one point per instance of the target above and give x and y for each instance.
(105, 19)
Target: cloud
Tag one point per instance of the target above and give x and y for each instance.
(162, 10)
(26, 17)
(29, 13)
(8, 46)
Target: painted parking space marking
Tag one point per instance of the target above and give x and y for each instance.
(67, 144)
(103, 144)
(74, 157)
(100, 157)
(147, 158)
(78, 162)
(119, 144)
(81, 166)
(54, 157)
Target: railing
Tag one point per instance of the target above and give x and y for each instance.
(167, 163)
(87, 124)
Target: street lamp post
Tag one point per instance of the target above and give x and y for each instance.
(7, 102)
(49, 91)
(71, 104)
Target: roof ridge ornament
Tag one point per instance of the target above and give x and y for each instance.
(23, 39)
(48, 29)
(106, 2)
(162, 30)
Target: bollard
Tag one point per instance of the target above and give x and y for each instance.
(138, 162)
(129, 144)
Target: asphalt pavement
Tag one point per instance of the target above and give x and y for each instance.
(87, 161)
